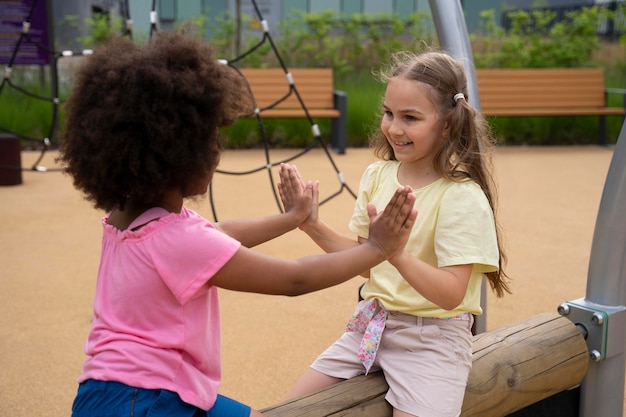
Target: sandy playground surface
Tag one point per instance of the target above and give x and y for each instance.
(49, 248)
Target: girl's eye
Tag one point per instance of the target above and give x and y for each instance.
(388, 113)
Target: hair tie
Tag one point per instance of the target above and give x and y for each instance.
(459, 96)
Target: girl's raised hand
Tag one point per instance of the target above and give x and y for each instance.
(297, 196)
(390, 229)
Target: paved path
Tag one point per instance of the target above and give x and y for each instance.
(49, 247)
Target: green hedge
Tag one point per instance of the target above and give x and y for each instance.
(355, 45)
(360, 43)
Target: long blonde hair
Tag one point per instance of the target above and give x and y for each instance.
(466, 154)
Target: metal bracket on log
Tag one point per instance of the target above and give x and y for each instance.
(602, 326)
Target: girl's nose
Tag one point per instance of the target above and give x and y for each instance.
(395, 129)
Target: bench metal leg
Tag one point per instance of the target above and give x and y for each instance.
(339, 126)
(602, 131)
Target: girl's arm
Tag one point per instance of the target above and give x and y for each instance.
(444, 286)
(252, 232)
(323, 235)
(254, 272)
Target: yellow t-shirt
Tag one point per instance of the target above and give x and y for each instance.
(454, 226)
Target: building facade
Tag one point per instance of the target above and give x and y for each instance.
(171, 13)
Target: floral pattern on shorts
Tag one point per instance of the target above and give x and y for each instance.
(369, 319)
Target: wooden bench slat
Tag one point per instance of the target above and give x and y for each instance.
(545, 92)
(514, 78)
(565, 88)
(539, 98)
(314, 86)
(540, 73)
(552, 112)
(311, 101)
(293, 104)
(515, 95)
(554, 103)
(297, 113)
(261, 85)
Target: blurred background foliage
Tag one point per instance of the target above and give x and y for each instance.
(356, 45)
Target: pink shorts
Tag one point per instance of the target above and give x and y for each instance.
(426, 362)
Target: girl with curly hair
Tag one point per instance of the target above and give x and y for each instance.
(142, 136)
(415, 318)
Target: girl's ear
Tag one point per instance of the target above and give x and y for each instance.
(445, 132)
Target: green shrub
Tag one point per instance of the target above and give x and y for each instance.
(278, 133)
(364, 104)
(535, 40)
(25, 110)
(354, 45)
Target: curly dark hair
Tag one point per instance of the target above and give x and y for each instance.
(143, 118)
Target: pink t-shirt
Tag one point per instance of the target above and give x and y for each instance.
(156, 320)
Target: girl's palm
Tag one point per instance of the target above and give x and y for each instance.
(294, 195)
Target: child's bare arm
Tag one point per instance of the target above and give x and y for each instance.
(254, 272)
(323, 235)
(253, 231)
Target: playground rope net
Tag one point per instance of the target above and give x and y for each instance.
(292, 89)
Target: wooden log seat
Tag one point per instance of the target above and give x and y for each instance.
(513, 367)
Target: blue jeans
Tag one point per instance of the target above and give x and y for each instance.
(114, 399)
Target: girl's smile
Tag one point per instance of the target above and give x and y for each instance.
(411, 122)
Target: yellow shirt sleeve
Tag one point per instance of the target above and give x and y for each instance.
(454, 226)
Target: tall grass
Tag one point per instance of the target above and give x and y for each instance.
(23, 114)
(276, 133)
(364, 104)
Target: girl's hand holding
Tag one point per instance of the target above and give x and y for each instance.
(390, 229)
(297, 196)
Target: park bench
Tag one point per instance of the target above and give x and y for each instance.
(316, 88)
(547, 92)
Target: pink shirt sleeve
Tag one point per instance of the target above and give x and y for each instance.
(188, 255)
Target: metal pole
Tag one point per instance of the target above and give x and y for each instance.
(453, 38)
(607, 263)
(54, 74)
(602, 390)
